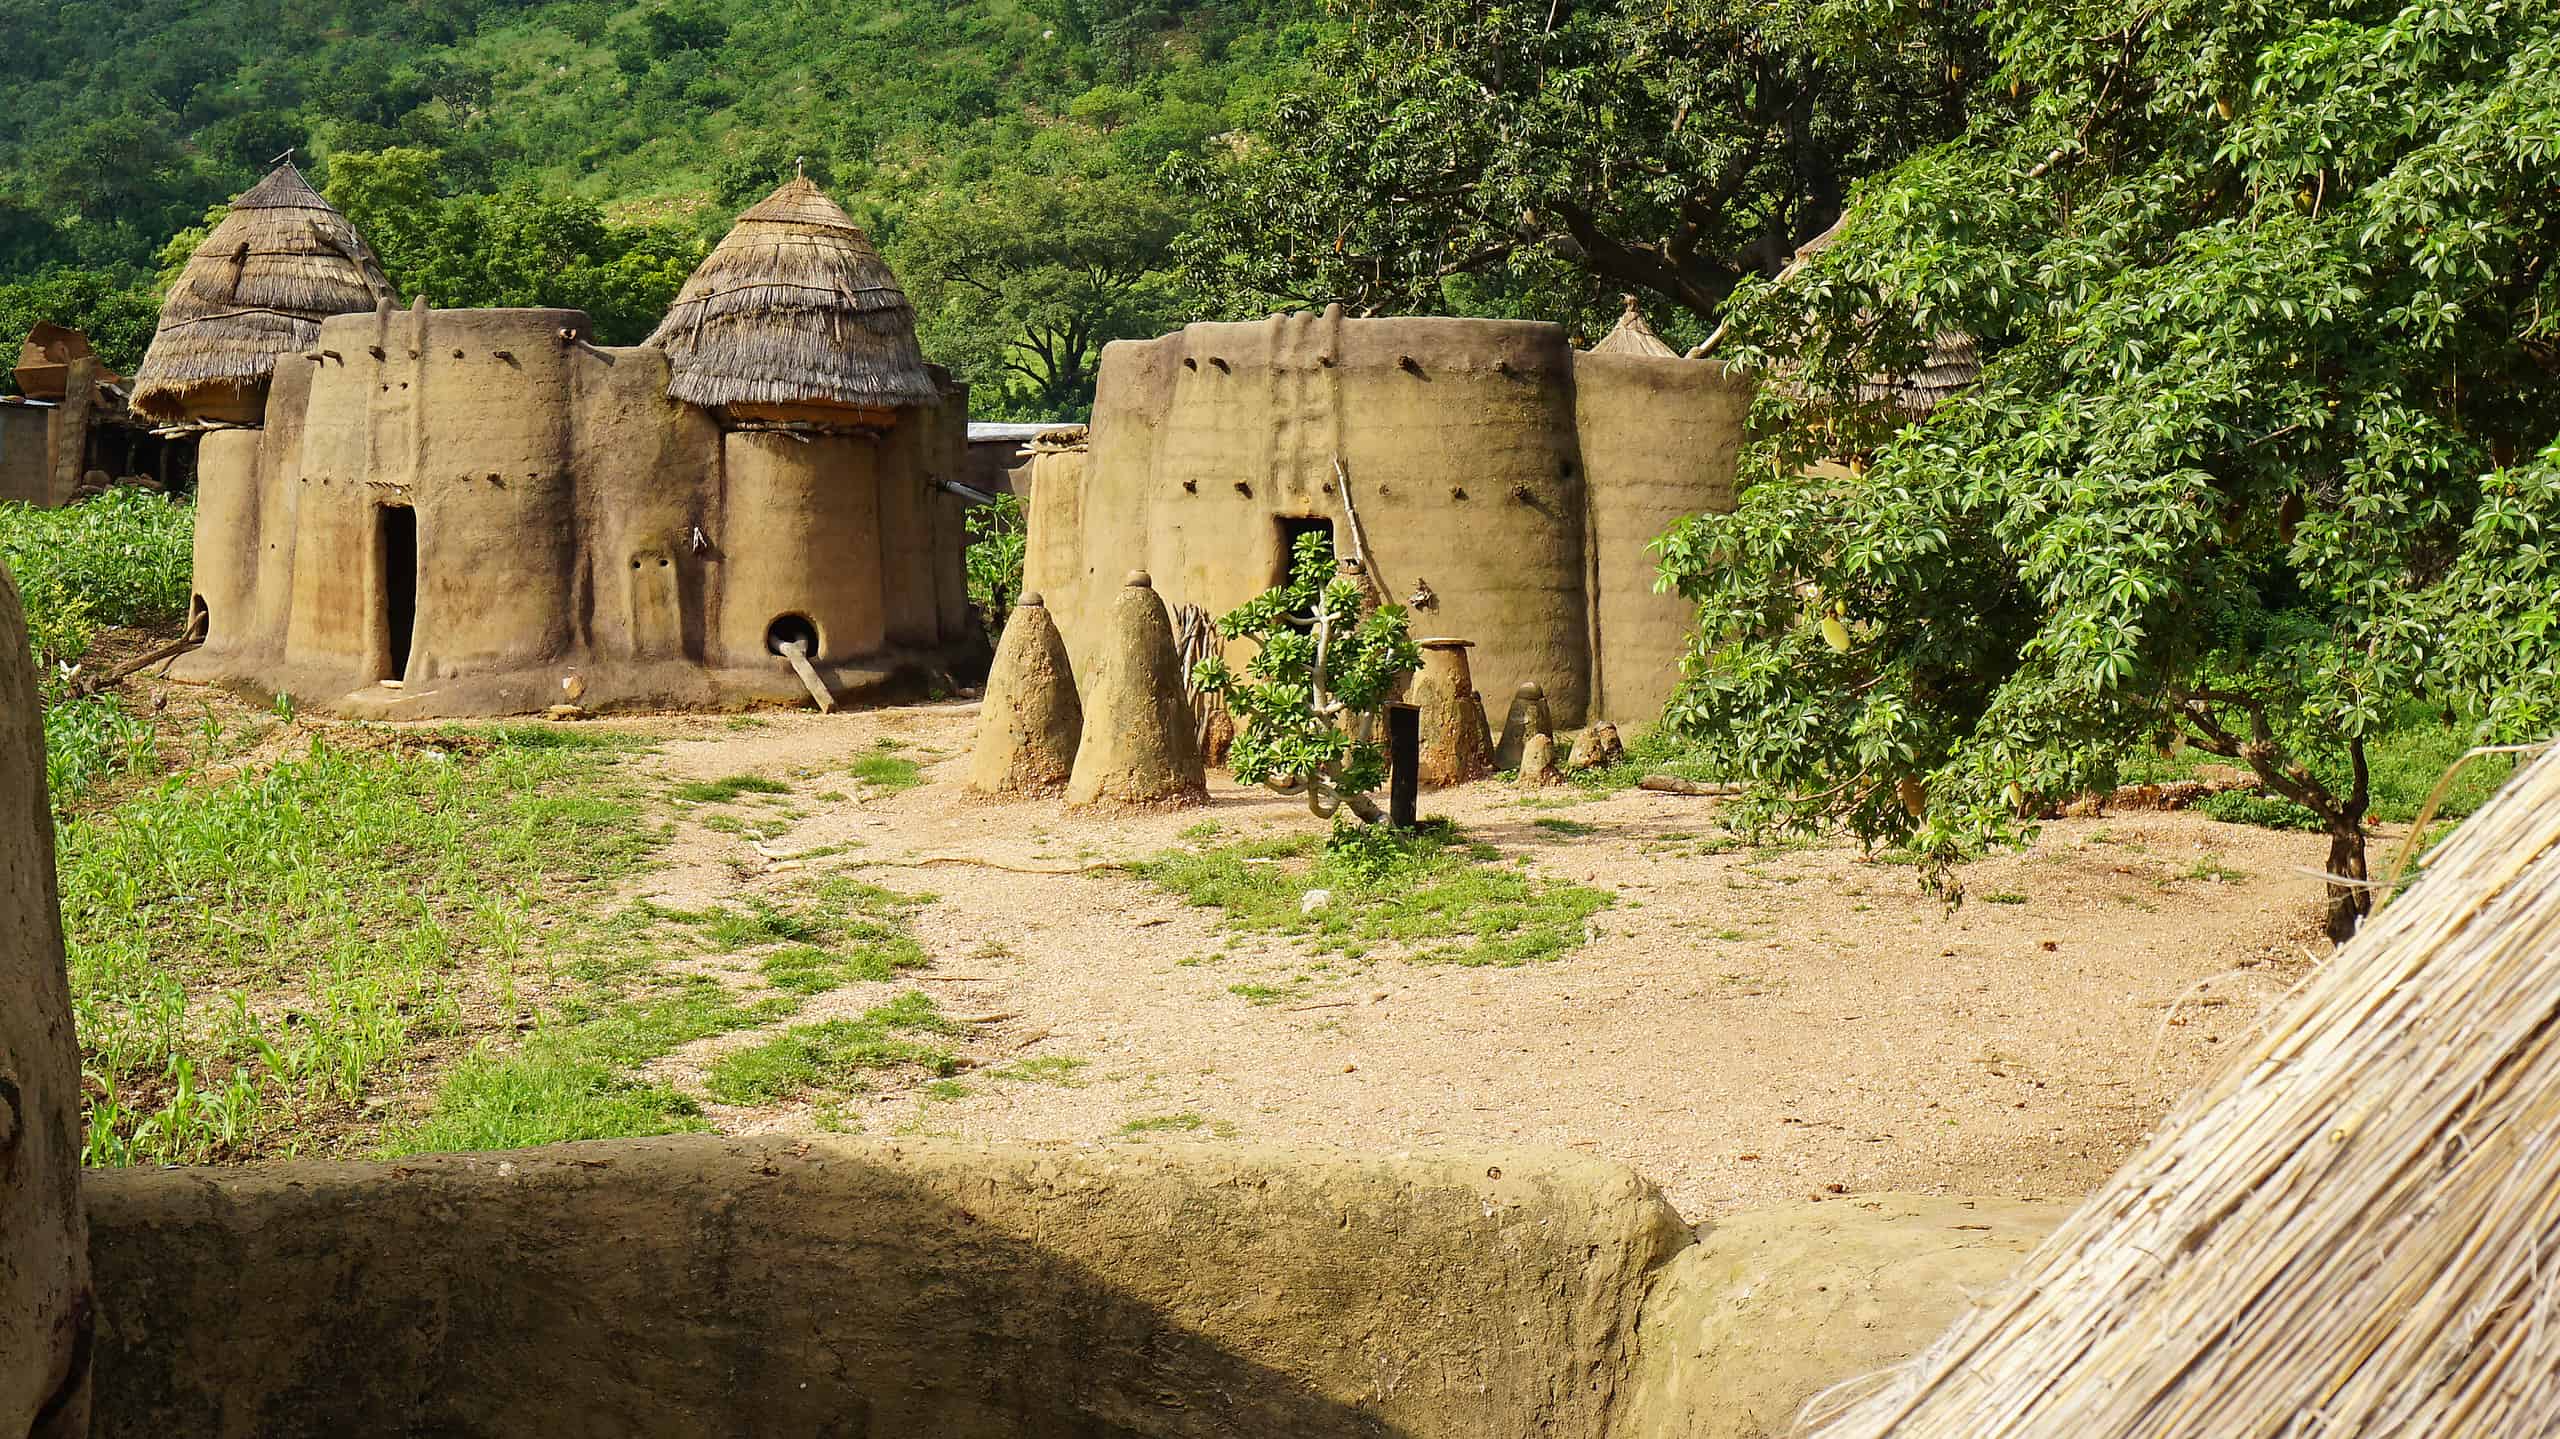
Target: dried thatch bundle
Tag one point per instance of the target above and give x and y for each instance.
(794, 308)
(281, 262)
(2355, 1231)
(1633, 336)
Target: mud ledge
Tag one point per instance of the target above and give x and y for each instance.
(705, 1286)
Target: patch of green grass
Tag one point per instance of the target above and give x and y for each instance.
(723, 791)
(2006, 896)
(123, 558)
(834, 1054)
(1437, 900)
(2212, 870)
(1063, 1070)
(808, 969)
(571, 1079)
(1268, 993)
(277, 940)
(887, 771)
(1573, 828)
(1184, 1123)
(1654, 751)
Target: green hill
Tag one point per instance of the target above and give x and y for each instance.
(1005, 152)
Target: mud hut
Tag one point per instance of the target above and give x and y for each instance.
(258, 287)
(471, 512)
(1502, 485)
(795, 318)
(1632, 336)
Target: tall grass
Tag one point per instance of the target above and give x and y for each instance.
(124, 558)
(264, 948)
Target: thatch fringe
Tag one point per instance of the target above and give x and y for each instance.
(258, 287)
(2354, 1231)
(1634, 337)
(794, 307)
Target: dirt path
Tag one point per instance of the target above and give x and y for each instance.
(1744, 1027)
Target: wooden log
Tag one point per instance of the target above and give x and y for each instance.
(1674, 784)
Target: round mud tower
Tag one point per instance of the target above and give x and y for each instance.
(1527, 716)
(1029, 721)
(1456, 745)
(44, 1242)
(1138, 747)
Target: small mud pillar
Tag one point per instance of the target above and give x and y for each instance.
(1029, 722)
(1527, 716)
(1456, 745)
(45, 1316)
(1138, 747)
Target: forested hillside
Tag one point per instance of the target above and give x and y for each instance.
(1007, 153)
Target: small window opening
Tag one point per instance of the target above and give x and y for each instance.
(399, 587)
(792, 629)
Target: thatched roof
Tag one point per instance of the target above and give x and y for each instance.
(1950, 366)
(1634, 337)
(281, 262)
(2352, 1232)
(795, 307)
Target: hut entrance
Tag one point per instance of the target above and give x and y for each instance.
(399, 570)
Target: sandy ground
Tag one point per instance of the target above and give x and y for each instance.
(1743, 1028)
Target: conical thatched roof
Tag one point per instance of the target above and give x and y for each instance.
(794, 307)
(281, 262)
(1634, 337)
(2353, 1232)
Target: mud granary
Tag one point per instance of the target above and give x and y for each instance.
(1506, 487)
(421, 512)
(68, 432)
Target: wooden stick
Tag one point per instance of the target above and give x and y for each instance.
(794, 652)
(1674, 784)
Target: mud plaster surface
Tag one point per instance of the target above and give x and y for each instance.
(1744, 1029)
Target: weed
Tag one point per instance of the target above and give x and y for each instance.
(1059, 1069)
(887, 771)
(2213, 870)
(724, 791)
(2005, 897)
(1184, 1123)
(1441, 902)
(1569, 827)
(1268, 993)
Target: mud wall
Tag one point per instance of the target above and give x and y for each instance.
(45, 1313)
(26, 453)
(454, 512)
(1465, 448)
(700, 1286)
(1660, 439)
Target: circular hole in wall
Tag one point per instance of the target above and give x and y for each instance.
(787, 629)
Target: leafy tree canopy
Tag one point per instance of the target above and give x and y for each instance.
(2264, 445)
(1543, 157)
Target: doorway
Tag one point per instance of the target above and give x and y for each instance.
(399, 570)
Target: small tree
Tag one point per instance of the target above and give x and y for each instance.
(994, 560)
(1307, 707)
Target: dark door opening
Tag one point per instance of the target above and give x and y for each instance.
(399, 587)
(1294, 528)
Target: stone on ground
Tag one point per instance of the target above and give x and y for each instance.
(1538, 762)
(1597, 745)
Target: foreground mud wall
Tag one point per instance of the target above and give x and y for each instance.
(1511, 482)
(44, 1273)
(1771, 1307)
(452, 512)
(701, 1286)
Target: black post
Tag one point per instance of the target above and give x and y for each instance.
(1404, 763)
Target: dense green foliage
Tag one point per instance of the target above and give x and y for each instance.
(2264, 447)
(120, 559)
(1524, 157)
(1307, 706)
(580, 152)
(998, 536)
